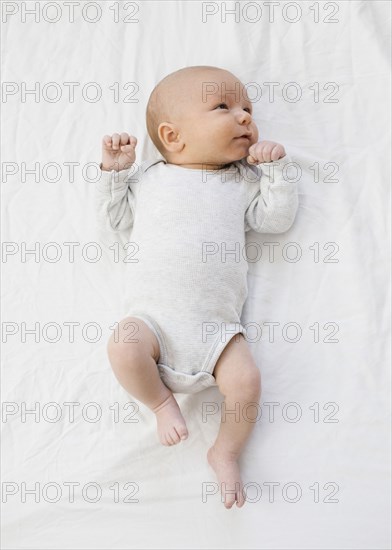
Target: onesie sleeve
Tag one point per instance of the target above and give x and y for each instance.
(115, 195)
(274, 204)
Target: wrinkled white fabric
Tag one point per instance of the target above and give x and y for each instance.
(330, 428)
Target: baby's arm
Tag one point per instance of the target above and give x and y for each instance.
(274, 206)
(114, 196)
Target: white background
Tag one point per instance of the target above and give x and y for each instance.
(352, 293)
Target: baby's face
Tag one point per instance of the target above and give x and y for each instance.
(214, 119)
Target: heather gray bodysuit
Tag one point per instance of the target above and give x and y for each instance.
(190, 282)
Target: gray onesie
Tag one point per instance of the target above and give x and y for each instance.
(189, 283)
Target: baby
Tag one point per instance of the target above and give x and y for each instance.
(188, 213)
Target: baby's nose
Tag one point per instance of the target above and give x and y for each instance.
(245, 117)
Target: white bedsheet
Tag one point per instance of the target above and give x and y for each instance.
(333, 381)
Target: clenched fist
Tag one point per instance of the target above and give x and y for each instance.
(118, 152)
(265, 151)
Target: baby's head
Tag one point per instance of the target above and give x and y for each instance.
(198, 116)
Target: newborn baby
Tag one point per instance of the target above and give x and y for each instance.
(188, 213)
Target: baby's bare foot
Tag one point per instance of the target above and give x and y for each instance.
(228, 474)
(170, 422)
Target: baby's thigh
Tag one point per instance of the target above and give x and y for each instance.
(236, 370)
(133, 337)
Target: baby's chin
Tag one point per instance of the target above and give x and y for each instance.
(235, 158)
(232, 156)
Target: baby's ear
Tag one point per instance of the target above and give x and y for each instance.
(170, 137)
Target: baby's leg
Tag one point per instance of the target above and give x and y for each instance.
(239, 380)
(134, 361)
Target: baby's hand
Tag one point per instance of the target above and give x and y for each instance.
(118, 152)
(265, 151)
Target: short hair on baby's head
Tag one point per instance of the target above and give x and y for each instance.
(163, 100)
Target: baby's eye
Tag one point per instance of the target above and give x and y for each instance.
(222, 106)
(248, 110)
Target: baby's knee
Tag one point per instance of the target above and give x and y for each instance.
(132, 341)
(120, 351)
(244, 382)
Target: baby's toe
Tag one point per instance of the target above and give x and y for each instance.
(229, 500)
(164, 440)
(174, 435)
(182, 432)
(169, 440)
(240, 498)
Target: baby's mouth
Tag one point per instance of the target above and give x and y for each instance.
(244, 138)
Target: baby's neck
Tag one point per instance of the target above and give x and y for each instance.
(201, 165)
